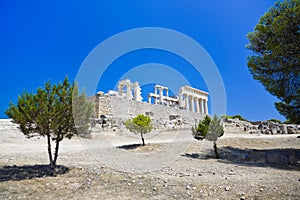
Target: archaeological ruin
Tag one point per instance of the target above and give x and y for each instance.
(185, 109)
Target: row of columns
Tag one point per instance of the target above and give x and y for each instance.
(158, 96)
(194, 104)
(162, 99)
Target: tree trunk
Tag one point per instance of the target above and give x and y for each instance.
(216, 150)
(142, 136)
(49, 150)
(56, 152)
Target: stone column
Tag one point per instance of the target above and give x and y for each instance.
(128, 92)
(155, 89)
(149, 99)
(167, 92)
(201, 105)
(197, 105)
(192, 104)
(120, 88)
(187, 102)
(161, 95)
(180, 100)
(205, 106)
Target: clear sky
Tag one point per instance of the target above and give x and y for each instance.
(42, 40)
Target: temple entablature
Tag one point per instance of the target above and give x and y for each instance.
(193, 99)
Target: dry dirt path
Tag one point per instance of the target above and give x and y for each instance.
(172, 166)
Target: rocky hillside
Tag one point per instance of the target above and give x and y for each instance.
(264, 127)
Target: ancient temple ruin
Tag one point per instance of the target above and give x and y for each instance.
(183, 110)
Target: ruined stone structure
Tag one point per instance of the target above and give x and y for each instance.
(130, 87)
(193, 99)
(166, 112)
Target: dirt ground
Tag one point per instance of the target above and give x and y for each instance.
(171, 166)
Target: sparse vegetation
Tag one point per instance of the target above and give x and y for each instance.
(275, 120)
(140, 124)
(234, 117)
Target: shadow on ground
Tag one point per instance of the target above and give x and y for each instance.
(16, 173)
(129, 146)
(277, 158)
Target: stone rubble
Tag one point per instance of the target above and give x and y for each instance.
(261, 127)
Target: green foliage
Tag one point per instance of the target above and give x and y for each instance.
(82, 112)
(275, 42)
(215, 129)
(49, 113)
(275, 120)
(214, 132)
(210, 130)
(234, 117)
(199, 132)
(140, 124)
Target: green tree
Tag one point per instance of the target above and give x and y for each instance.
(49, 113)
(275, 42)
(82, 112)
(199, 132)
(140, 124)
(210, 130)
(215, 131)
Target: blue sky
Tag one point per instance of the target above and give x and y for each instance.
(47, 40)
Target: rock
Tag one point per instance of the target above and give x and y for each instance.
(194, 188)
(291, 129)
(188, 187)
(254, 132)
(283, 129)
(242, 198)
(154, 189)
(227, 188)
(231, 173)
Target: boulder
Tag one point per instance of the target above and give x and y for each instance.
(291, 129)
(283, 128)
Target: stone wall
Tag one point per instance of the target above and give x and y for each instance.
(118, 110)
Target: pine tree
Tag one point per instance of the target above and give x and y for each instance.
(210, 130)
(48, 113)
(275, 43)
(140, 124)
(215, 131)
(199, 132)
